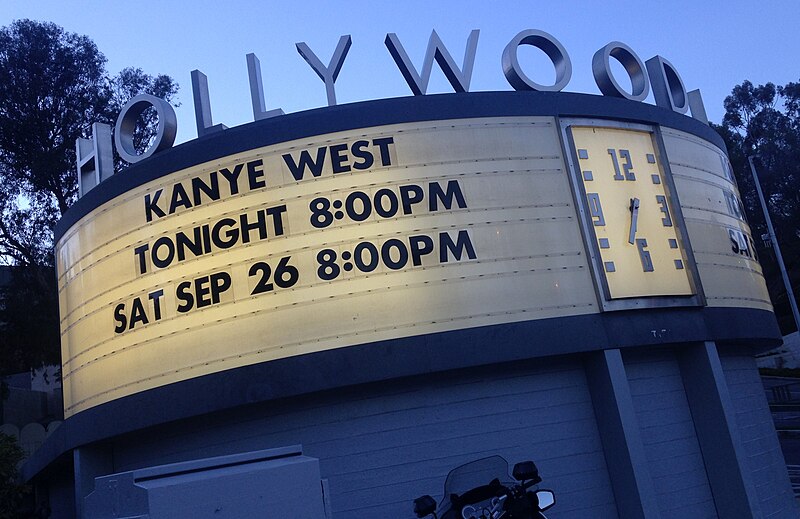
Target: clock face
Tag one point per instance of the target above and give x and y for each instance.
(629, 214)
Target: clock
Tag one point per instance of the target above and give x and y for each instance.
(631, 218)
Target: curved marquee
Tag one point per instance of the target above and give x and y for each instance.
(404, 224)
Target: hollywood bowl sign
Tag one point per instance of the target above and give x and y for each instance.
(94, 156)
(335, 233)
(369, 278)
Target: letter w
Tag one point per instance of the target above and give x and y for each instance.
(458, 78)
(298, 170)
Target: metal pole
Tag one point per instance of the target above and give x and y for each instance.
(774, 240)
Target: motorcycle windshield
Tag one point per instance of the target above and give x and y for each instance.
(475, 474)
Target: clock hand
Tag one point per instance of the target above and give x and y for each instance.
(634, 209)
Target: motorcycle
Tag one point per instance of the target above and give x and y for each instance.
(481, 489)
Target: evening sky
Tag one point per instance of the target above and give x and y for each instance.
(714, 45)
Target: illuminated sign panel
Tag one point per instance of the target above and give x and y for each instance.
(310, 245)
(382, 233)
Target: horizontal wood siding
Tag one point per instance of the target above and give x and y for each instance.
(764, 457)
(675, 461)
(384, 445)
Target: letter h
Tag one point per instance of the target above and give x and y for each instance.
(94, 158)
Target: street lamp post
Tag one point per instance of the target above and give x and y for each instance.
(775, 246)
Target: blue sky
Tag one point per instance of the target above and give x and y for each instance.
(713, 44)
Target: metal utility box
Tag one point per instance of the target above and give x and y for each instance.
(273, 483)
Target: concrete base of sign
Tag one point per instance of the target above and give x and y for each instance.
(679, 431)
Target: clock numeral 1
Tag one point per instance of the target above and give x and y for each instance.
(627, 165)
(662, 201)
(617, 174)
(647, 262)
(595, 209)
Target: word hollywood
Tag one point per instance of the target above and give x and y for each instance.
(94, 156)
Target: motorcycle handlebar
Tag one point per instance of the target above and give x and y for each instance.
(530, 483)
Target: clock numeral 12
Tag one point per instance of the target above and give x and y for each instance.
(627, 165)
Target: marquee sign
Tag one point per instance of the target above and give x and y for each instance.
(393, 230)
(327, 242)
(383, 233)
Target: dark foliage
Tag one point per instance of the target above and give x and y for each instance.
(29, 329)
(12, 493)
(53, 86)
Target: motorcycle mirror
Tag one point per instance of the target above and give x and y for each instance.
(424, 505)
(546, 499)
(525, 470)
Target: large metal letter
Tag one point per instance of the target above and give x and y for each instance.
(257, 90)
(601, 69)
(667, 85)
(202, 105)
(697, 106)
(126, 124)
(331, 72)
(94, 158)
(547, 44)
(458, 78)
